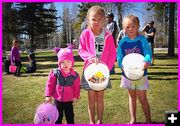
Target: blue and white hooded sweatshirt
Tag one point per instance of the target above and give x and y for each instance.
(137, 45)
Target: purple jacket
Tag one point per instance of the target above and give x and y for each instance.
(87, 48)
(58, 92)
(15, 55)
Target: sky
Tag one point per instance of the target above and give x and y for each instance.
(139, 8)
(59, 5)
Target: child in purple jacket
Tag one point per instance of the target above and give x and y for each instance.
(63, 85)
(15, 57)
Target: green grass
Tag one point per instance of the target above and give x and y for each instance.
(38, 53)
(22, 95)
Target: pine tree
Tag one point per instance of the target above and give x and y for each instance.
(7, 19)
(34, 19)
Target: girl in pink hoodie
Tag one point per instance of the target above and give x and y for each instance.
(96, 44)
(63, 85)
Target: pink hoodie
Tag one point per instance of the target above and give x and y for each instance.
(57, 91)
(87, 48)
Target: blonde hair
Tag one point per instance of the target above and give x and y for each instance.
(96, 9)
(133, 18)
(15, 42)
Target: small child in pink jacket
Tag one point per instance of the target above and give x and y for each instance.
(63, 85)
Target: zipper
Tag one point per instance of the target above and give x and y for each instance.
(63, 90)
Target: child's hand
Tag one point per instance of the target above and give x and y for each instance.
(122, 69)
(13, 63)
(48, 99)
(94, 60)
(74, 99)
(146, 65)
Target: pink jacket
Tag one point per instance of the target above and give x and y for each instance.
(87, 48)
(62, 93)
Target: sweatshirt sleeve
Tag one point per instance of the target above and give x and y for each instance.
(112, 53)
(111, 28)
(83, 51)
(119, 54)
(50, 84)
(12, 55)
(76, 87)
(147, 51)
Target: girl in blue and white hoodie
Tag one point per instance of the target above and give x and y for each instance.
(135, 43)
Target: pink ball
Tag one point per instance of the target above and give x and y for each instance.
(46, 113)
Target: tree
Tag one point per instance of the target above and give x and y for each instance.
(164, 14)
(65, 30)
(84, 6)
(171, 29)
(7, 19)
(34, 19)
(51, 41)
(81, 16)
(118, 8)
(161, 14)
(69, 27)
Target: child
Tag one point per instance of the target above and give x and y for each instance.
(96, 44)
(56, 50)
(15, 57)
(63, 85)
(7, 63)
(150, 34)
(121, 35)
(135, 43)
(32, 67)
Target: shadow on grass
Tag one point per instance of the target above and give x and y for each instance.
(158, 67)
(157, 123)
(78, 66)
(164, 65)
(151, 123)
(54, 58)
(77, 58)
(157, 76)
(162, 73)
(48, 58)
(163, 56)
(45, 75)
(157, 73)
(39, 67)
(39, 72)
(41, 58)
(33, 74)
(46, 66)
(152, 78)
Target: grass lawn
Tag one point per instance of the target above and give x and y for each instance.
(22, 95)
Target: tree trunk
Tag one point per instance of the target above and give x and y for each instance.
(171, 30)
(120, 15)
(32, 46)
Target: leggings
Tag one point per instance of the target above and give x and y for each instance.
(67, 108)
(18, 65)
